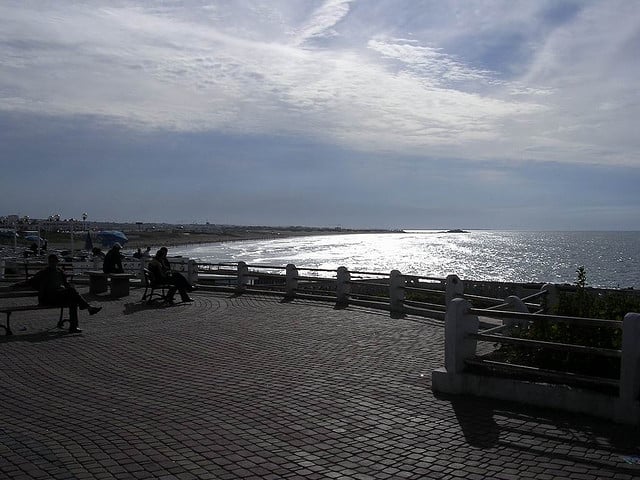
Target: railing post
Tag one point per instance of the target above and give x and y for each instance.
(192, 271)
(517, 305)
(458, 346)
(396, 291)
(291, 281)
(454, 287)
(630, 364)
(551, 299)
(343, 286)
(143, 265)
(243, 272)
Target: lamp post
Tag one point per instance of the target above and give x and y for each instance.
(84, 220)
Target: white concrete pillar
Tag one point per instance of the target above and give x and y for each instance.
(454, 288)
(630, 362)
(458, 346)
(291, 285)
(343, 286)
(396, 291)
(517, 305)
(192, 271)
(143, 265)
(243, 273)
(551, 299)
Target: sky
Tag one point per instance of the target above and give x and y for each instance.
(354, 113)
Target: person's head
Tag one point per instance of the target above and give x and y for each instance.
(52, 260)
(162, 252)
(116, 246)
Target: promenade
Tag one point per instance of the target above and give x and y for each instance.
(251, 388)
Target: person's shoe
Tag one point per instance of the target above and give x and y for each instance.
(75, 330)
(194, 287)
(188, 299)
(94, 310)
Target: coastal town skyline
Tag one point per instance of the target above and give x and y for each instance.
(381, 114)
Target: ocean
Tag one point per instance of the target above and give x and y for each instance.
(611, 259)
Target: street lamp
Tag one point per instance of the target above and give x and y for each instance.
(84, 220)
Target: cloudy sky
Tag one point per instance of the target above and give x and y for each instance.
(363, 113)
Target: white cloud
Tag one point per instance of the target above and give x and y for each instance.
(322, 20)
(254, 68)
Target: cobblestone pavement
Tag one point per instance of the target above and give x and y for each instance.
(248, 387)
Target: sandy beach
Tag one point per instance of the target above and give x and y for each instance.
(171, 237)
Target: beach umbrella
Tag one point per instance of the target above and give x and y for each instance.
(33, 238)
(88, 243)
(108, 237)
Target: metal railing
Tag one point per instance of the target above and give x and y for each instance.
(514, 332)
(391, 291)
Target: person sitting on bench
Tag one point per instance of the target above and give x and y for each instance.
(53, 289)
(160, 270)
(113, 260)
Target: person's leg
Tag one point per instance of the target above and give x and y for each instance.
(184, 295)
(69, 299)
(170, 293)
(79, 299)
(73, 318)
(182, 284)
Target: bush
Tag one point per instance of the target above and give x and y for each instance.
(581, 303)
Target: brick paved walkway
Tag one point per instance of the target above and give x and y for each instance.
(251, 388)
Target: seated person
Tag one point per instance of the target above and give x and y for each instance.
(54, 290)
(160, 270)
(138, 253)
(113, 260)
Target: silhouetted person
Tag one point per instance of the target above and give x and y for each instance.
(113, 260)
(138, 254)
(160, 270)
(54, 290)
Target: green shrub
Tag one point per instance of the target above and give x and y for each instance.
(581, 303)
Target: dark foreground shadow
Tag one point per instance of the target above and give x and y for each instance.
(476, 420)
(44, 336)
(487, 423)
(131, 308)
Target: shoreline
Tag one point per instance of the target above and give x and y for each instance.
(176, 238)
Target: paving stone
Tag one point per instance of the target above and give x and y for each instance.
(248, 387)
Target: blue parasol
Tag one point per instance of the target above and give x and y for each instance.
(33, 238)
(108, 237)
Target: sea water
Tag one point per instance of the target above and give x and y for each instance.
(611, 259)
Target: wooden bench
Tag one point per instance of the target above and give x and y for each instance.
(8, 310)
(99, 281)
